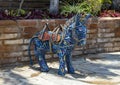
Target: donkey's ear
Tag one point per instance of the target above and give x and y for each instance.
(78, 16)
(77, 19)
(86, 18)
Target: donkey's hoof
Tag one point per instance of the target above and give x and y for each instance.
(71, 71)
(44, 70)
(61, 73)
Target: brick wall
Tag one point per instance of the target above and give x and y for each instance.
(103, 36)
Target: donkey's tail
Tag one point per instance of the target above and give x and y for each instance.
(29, 49)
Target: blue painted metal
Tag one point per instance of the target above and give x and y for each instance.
(75, 33)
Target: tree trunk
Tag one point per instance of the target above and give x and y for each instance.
(116, 4)
(54, 6)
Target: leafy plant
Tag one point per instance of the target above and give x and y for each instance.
(14, 12)
(21, 12)
(86, 6)
(96, 5)
(106, 4)
(76, 8)
(71, 2)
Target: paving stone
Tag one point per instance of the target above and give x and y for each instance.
(97, 69)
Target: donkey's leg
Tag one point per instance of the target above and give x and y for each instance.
(40, 54)
(42, 62)
(69, 63)
(61, 70)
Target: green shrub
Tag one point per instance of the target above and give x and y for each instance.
(76, 8)
(86, 6)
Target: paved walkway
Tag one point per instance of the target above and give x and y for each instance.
(97, 69)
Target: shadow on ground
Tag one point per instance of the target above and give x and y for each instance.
(10, 78)
(103, 66)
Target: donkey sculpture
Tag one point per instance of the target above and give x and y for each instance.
(73, 33)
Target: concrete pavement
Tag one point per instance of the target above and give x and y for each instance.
(97, 69)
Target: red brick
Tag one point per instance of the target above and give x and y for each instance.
(103, 30)
(10, 48)
(29, 32)
(25, 59)
(11, 29)
(1, 42)
(117, 23)
(100, 49)
(9, 36)
(116, 48)
(13, 54)
(93, 26)
(91, 41)
(13, 42)
(106, 23)
(92, 31)
(78, 48)
(93, 46)
(92, 36)
(25, 53)
(60, 21)
(117, 32)
(116, 44)
(93, 20)
(8, 60)
(106, 35)
(116, 39)
(7, 23)
(27, 23)
(77, 52)
(108, 45)
(103, 40)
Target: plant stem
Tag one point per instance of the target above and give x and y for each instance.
(20, 6)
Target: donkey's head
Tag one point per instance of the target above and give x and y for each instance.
(80, 29)
(75, 29)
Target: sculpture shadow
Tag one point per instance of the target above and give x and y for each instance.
(87, 68)
(11, 78)
(102, 66)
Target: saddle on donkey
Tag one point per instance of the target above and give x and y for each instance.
(61, 41)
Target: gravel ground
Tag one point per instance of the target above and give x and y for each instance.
(97, 69)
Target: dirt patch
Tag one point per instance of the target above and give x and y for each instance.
(35, 74)
(103, 82)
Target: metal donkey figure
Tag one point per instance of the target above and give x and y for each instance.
(73, 33)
